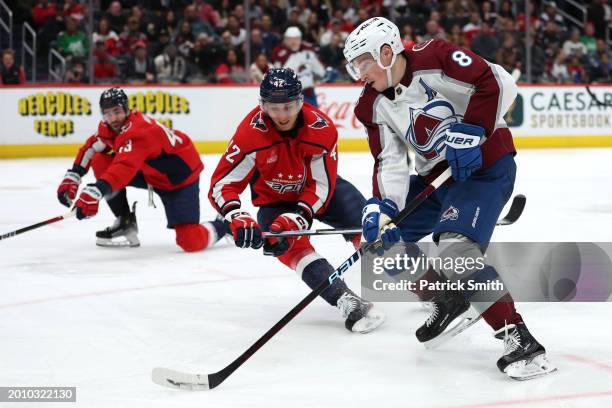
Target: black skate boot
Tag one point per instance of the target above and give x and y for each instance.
(123, 232)
(524, 358)
(445, 308)
(361, 316)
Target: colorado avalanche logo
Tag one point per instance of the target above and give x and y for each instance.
(451, 214)
(258, 123)
(320, 123)
(427, 130)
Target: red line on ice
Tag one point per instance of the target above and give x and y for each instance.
(536, 400)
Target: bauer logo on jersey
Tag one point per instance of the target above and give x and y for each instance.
(427, 128)
(258, 123)
(290, 184)
(319, 123)
(451, 214)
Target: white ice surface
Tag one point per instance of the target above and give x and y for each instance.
(100, 319)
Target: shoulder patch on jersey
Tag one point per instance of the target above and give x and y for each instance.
(421, 46)
(257, 122)
(319, 123)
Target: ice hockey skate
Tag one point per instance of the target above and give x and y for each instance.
(361, 316)
(524, 358)
(446, 308)
(123, 232)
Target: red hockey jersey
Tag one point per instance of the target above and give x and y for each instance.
(279, 168)
(167, 158)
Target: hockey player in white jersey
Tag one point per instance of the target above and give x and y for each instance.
(447, 105)
(299, 56)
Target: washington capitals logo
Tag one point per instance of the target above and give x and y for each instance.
(258, 123)
(451, 214)
(320, 123)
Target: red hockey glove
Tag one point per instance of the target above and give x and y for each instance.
(87, 203)
(68, 188)
(245, 230)
(277, 246)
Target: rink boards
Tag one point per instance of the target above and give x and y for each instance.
(54, 121)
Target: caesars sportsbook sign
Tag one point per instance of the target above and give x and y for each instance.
(550, 115)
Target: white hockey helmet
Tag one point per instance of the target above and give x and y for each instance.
(369, 37)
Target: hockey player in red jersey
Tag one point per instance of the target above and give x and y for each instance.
(132, 149)
(447, 105)
(286, 150)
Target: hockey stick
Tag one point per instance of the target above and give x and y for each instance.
(597, 101)
(37, 225)
(176, 379)
(514, 212)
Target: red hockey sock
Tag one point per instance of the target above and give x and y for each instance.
(501, 313)
(191, 237)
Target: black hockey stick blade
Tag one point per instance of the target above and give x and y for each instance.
(197, 382)
(515, 211)
(37, 225)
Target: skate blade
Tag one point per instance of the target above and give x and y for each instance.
(121, 242)
(468, 318)
(369, 322)
(524, 370)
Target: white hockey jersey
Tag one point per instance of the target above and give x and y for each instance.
(443, 84)
(304, 62)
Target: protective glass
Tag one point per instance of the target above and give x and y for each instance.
(357, 69)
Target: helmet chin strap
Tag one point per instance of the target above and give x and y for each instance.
(388, 70)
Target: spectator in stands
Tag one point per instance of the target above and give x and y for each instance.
(321, 9)
(472, 28)
(408, 38)
(104, 69)
(11, 73)
(314, 31)
(75, 72)
(236, 31)
(294, 21)
(573, 47)
(599, 14)
(332, 55)
(163, 40)
(42, 12)
(259, 67)
(116, 17)
(277, 13)
(487, 13)
(204, 59)
(207, 13)
(224, 10)
(335, 27)
(73, 42)
(433, 30)
(486, 44)
(269, 37)
(198, 26)
(131, 35)
(139, 67)
(185, 40)
(601, 70)
(576, 71)
(549, 39)
(231, 71)
(456, 36)
(551, 14)
(170, 67)
(588, 38)
(509, 56)
(505, 10)
(559, 72)
(303, 11)
(170, 23)
(533, 19)
(108, 36)
(257, 44)
(226, 41)
(74, 9)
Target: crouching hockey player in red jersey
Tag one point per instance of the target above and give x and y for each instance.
(447, 105)
(132, 149)
(286, 150)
